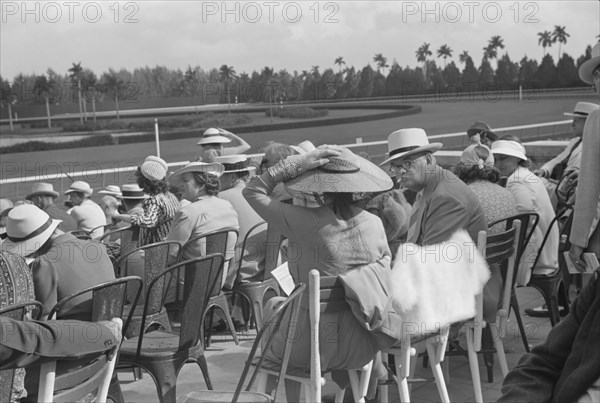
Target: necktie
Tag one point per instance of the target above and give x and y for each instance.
(415, 214)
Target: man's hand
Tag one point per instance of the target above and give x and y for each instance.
(540, 172)
(576, 256)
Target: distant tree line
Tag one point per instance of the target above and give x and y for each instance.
(223, 85)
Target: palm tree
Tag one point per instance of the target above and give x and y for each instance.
(489, 52)
(559, 35)
(422, 53)
(227, 73)
(112, 82)
(315, 72)
(75, 75)
(381, 61)
(497, 42)
(463, 57)
(89, 83)
(42, 88)
(340, 61)
(545, 40)
(444, 51)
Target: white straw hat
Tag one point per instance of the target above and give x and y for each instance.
(582, 109)
(213, 168)
(132, 191)
(42, 189)
(304, 147)
(587, 68)
(212, 136)
(235, 163)
(111, 190)
(406, 142)
(81, 187)
(27, 229)
(509, 147)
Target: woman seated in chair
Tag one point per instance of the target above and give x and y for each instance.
(476, 169)
(530, 197)
(206, 213)
(333, 238)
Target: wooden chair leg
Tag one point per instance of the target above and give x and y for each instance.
(436, 369)
(474, 365)
(514, 303)
(499, 349)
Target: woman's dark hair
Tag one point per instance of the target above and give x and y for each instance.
(472, 173)
(340, 203)
(510, 137)
(151, 187)
(210, 181)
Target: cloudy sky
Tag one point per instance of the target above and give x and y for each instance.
(294, 35)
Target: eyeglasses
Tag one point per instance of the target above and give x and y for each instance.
(406, 165)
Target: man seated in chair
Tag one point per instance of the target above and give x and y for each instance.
(568, 162)
(61, 264)
(29, 344)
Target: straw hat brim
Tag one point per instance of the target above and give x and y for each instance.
(369, 178)
(250, 168)
(212, 168)
(433, 147)
(110, 193)
(87, 192)
(54, 194)
(30, 246)
(587, 68)
(213, 140)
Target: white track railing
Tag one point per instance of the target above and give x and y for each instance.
(376, 150)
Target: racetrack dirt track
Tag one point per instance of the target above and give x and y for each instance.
(436, 118)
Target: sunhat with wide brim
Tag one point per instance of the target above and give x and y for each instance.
(42, 189)
(480, 126)
(304, 147)
(27, 229)
(213, 168)
(111, 190)
(81, 187)
(235, 163)
(509, 147)
(406, 142)
(587, 68)
(582, 110)
(212, 136)
(346, 173)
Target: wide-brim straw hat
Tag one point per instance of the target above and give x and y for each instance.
(27, 230)
(509, 147)
(346, 173)
(587, 68)
(213, 168)
(111, 190)
(42, 189)
(235, 163)
(582, 110)
(304, 147)
(132, 192)
(212, 136)
(406, 142)
(81, 187)
(481, 126)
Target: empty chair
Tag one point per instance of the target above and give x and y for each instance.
(290, 306)
(163, 353)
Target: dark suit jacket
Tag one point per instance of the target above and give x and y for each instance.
(24, 343)
(568, 363)
(68, 223)
(447, 205)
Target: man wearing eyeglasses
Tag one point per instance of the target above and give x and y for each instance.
(444, 203)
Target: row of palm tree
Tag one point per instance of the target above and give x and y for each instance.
(547, 38)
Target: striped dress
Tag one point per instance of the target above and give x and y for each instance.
(156, 219)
